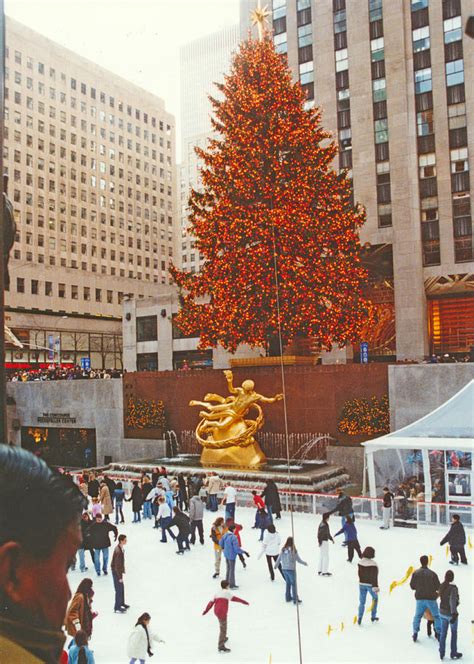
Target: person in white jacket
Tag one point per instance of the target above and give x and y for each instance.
(271, 546)
(140, 639)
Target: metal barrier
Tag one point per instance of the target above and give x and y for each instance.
(307, 502)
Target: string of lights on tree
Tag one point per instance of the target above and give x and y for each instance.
(267, 182)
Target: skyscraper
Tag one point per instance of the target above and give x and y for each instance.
(389, 76)
(203, 62)
(91, 164)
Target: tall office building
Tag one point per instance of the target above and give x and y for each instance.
(203, 62)
(92, 177)
(389, 76)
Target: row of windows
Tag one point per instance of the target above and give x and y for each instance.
(101, 96)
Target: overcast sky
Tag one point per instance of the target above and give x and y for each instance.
(138, 39)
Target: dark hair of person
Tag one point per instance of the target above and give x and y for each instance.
(135, 483)
(271, 528)
(85, 587)
(81, 642)
(349, 520)
(121, 538)
(326, 516)
(448, 577)
(119, 485)
(176, 510)
(456, 517)
(289, 544)
(254, 493)
(225, 584)
(218, 522)
(231, 527)
(424, 561)
(142, 618)
(368, 552)
(32, 495)
(385, 488)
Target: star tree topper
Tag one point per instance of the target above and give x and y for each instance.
(259, 18)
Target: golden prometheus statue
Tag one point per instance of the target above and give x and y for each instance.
(226, 436)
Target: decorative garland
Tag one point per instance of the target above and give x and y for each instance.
(145, 414)
(365, 416)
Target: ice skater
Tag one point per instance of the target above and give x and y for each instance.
(196, 516)
(368, 583)
(231, 549)
(350, 532)
(324, 535)
(386, 508)
(448, 612)
(218, 530)
(287, 559)
(221, 608)
(271, 548)
(456, 538)
(345, 509)
(426, 584)
(118, 570)
(140, 639)
(181, 521)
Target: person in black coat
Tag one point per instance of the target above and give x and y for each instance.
(368, 583)
(93, 486)
(345, 509)
(272, 499)
(456, 538)
(426, 584)
(181, 521)
(100, 541)
(137, 501)
(86, 542)
(324, 535)
(182, 493)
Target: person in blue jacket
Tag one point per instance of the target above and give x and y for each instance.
(79, 652)
(119, 497)
(231, 549)
(350, 532)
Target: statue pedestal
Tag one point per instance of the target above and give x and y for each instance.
(250, 456)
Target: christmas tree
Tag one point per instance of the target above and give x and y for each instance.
(271, 210)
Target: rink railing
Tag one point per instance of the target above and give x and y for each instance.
(407, 512)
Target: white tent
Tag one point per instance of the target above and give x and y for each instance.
(443, 439)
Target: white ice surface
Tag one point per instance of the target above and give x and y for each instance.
(175, 589)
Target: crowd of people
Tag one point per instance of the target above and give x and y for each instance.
(62, 373)
(35, 612)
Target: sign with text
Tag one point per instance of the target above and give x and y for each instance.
(56, 418)
(85, 363)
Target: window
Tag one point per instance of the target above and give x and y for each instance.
(280, 42)
(34, 286)
(385, 215)
(342, 62)
(418, 4)
(306, 73)
(425, 123)
(48, 287)
(340, 21)
(61, 290)
(305, 35)
(379, 89)
(459, 160)
(20, 285)
(454, 72)
(377, 49)
(147, 328)
(343, 100)
(457, 116)
(375, 10)
(421, 39)
(381, 131)
(427, 165)
(423, 82)
(452, 30)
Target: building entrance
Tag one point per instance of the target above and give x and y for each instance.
(72, 448)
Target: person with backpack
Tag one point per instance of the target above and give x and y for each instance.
(368, 583)
(386, 508)
(231, 549)
(140, 640)
(288, 558)
(324, 535)
(426, 584)
(350, 532)
(221, 608)
(79, 652)
(218, 530)
(456, 538)
(448, 613)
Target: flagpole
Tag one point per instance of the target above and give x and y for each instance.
(3, 414)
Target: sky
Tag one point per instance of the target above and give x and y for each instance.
(137, 39)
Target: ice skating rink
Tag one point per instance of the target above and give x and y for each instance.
(175, 589)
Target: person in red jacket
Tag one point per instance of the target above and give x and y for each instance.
(221, 608)
(259, 504)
